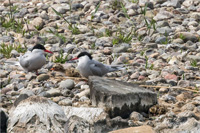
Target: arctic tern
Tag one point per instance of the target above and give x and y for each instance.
(89, 67)
(35, 59)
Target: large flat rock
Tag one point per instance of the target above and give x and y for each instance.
(120, 98)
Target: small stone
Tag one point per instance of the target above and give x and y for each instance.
(178, 40)
(186, 36)
(84, 93)
(20, 98)
(59, 8)
(135, 75)
(30, 76)
(163, 90)
(76, 6)
(120, 49)
(184, 96)
(163, 15)
(161, 40)
(188, 106)
(54, 92)
(77, 124)
(65, 102)
(68, 84)
(184, 83)
(43, 77)
(136, 116)
(5, 90)
(171, 77)
(38, 23)
(6, 39)
(107, 51)
(168, 98)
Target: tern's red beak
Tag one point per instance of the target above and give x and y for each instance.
(48, 51)
(75, 58)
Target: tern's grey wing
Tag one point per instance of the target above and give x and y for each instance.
(24, 62)
(98, 68)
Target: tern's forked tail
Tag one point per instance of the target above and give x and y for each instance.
(116, 68)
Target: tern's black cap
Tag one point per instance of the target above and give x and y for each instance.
(39, 46)
(83, 54)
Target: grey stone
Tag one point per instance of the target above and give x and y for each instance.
(59, 8)
(168, 98)
(174, 3)
(68, 84)
(30, 76)
(184, 83)
(193, 57)
(22, 13)
(163, 90)
(163, 15)
(161, 40)
(186, 36)
(188, 106)
(4, 118)
(122, 48)
(65, 102)
(120, 98)
(76, 124)
(67, 93)
(136, 116)
(20, 98)
(28, 92)
(38, 23)
(164, 30)
(43, 77)
(190, 126)
(101, 41)
(44, 94)
(76, 6)
(54, 92)
(52, 39)
(6, 39)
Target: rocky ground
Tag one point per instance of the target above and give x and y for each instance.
(157, 40)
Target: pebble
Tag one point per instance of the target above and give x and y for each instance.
(136, 116)
(53, 92)
(65, 102)
(43, 77)
(66, 84)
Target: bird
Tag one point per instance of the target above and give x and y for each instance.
(89, 67)
(35, 59)
(69, 71)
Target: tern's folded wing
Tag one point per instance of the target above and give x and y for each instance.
(24, 62)
(98, 68)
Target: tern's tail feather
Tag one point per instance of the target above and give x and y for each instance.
(16, 63)
(116, 68)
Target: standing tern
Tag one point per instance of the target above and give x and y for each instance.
(35, 59)
(89, 67)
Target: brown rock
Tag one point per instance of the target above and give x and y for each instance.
(38, 23)
(140, 129)
(171, 77)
